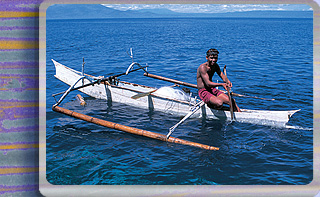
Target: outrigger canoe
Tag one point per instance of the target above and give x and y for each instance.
(167, 99)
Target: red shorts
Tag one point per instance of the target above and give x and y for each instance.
(205, 94)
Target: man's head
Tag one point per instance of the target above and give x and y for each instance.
(213, 52)
(212, 56)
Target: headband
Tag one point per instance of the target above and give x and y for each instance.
(214, 53)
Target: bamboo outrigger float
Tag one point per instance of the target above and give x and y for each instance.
(132, 130)
(166, 99)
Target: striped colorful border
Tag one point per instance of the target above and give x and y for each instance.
(19, 103)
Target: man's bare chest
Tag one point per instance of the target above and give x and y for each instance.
(211, 71)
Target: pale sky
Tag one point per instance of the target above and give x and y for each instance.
(212, 8)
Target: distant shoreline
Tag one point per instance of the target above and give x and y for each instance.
(92, 11)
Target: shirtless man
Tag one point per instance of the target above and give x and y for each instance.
(206, 88)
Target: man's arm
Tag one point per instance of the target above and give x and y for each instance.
(223, 77)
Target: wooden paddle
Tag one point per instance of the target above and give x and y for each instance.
(139, 95)
(229, 94)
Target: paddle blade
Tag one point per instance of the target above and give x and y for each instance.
(225, 70)
(139, 95)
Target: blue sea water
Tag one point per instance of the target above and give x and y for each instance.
(270, 58)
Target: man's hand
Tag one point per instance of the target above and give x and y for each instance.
(225, 86)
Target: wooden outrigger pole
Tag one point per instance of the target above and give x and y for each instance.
(132, 130)
(170, 80)
(195, 86)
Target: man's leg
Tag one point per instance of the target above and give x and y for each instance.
(225, 99)
(235, 105)
(216, 101)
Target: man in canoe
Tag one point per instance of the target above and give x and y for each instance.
(207, 89)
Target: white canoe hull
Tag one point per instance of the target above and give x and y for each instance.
(123, 91)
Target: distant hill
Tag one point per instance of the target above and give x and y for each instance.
(97, 11)
(82, 11)
(268, 14)
(159, 12)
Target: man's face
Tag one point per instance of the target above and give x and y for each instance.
(212, 59)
